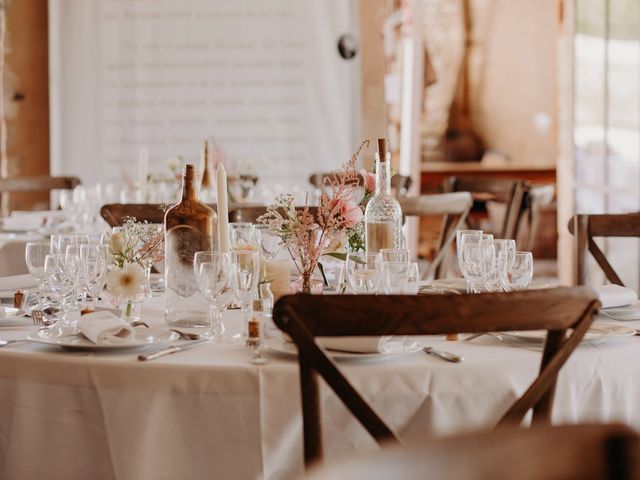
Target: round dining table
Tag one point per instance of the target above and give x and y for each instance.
(208, 412)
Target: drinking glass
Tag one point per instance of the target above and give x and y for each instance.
(516, 274)
(395, 276)
(363, 272)
(471, 266)
(413, 279)
(213, 279)
(470, 238)
(93, 269)
(394, 255)
(459, 234)
(241, 233)
(269, 243)
(245, 273)
(199, 258)
(60, 241)
(489, 259)
(35, 255)
(62, 275)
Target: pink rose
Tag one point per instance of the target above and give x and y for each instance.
(352, 214)
(369, 180)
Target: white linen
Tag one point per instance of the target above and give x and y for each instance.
(616, 296)
(12, 282)
(208, 413)
(104, 328)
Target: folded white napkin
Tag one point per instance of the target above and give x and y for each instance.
(104, 328)
(351, 344)
(615, 296)
(12, 282)
(22, 223)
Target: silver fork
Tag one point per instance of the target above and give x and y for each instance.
(38, 318)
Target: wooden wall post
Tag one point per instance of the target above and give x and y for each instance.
(24, 107)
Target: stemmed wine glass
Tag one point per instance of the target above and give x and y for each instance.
(62, 272)
(35, 255)
(363, 272)
(245, 273)
(93, 269)
(213, 278)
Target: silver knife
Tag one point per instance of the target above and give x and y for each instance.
(170, 350)
(448, 356)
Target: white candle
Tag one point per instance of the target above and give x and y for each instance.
(223, 208)
(143, 171)
(278, 275)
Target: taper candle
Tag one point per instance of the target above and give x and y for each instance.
(223, 208)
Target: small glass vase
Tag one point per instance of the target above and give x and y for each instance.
(131, 310)
(307, 284)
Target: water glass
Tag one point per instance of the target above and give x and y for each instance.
(269, 243)
(241, 233)
(516, 273)
(469, 238)
(213, 279)
(459, 234)
(471, 266)
(395, 277)
(201, 257)
(245, 273)
(395, 255)
(363, 272)
(414, 279)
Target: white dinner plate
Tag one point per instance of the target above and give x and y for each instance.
(284, 347)
(144, 338)
(597, 333)
(626, 313)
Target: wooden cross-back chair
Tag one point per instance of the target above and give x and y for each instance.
(252, 213)
(304, 317)
(511, 192)
(567, 452)
(400, 184)
(454, 208)
(585, 227)
(115, 213)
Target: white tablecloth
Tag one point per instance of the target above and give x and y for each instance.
(209, 413)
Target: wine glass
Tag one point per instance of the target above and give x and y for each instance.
(241, 233)
(245, 274)
(516, 273)
(93, 261)
(199, 258)
(269, 243)
(395, 276)
(35, 255)
(213, 279)
(62, 275)
(363, 272)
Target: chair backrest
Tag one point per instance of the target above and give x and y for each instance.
(115, 213)
(585, 227)
(511, 192)
(41, 183)
(454, 208)
(304, 317)
(568, 452)
(252, 213)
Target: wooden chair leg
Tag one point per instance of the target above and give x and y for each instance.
(311, 424)
(580, 241)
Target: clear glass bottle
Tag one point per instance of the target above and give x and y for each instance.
(383, 215)
(190, 226)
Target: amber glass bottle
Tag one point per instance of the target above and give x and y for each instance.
(190, 227)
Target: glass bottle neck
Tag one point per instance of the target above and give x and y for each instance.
(383, 175)
(189, 188)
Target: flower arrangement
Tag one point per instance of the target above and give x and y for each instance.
(308, 235)
(137, 242)
(126, 284)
